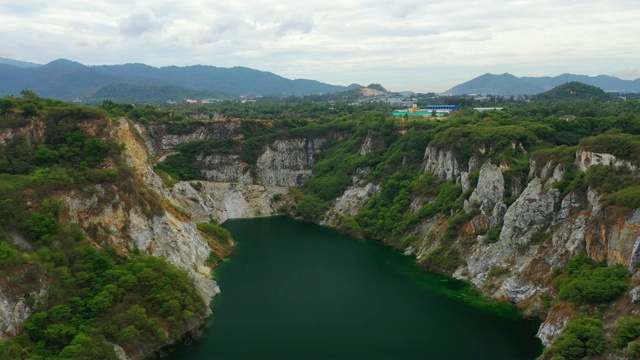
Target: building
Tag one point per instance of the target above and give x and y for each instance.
(481, 109)
(448, 108)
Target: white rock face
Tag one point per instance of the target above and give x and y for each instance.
(552, 327)
(488, 196)
(15, 308)
(634, 295)
(371, 143)
(207, 201)
(586, 159)
(517, 290)
(528, 213)
(159, 139)
(287, 162)
(225, 168)
(33, 133)
(442, 163)
(354, 198)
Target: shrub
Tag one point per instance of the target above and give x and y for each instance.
(627, 329)
(181, 167)
(582, 337)
(216, 231)
(493, 235)
(311, 208)
(585, 283)
(442, 259)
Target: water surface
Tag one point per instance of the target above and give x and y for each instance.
(295, 290)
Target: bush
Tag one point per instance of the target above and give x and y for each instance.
(627, 329)
(493, 235)
(442, 259)
(585, 283)
(582, 337)
(216, 231)
(311, 208)
(633, 349)
(180, 167)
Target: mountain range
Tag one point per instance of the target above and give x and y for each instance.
(69, 80)
(507, 84)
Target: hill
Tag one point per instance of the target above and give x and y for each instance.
(604, 82)
(574, 90)
(67, 80)
(130, 93)
(507, 84)
(18, 63)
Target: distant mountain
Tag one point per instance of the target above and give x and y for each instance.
(507, 84)
(573, 90)
(237, 80)
(60, 79)
(68, 80)
(18, 63)
(151, 93)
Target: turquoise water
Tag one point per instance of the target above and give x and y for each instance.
(296, 290)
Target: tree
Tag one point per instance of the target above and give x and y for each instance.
(28, 94)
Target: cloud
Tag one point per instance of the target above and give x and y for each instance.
(628, 73)
(295, 26)
(139, 23)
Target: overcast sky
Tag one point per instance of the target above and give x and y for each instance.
(417, 45)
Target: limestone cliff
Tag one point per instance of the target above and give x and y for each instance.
(116, 219)
(165, 137)
(539, 232)
(287, 162)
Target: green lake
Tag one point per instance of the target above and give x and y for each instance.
(296, 290)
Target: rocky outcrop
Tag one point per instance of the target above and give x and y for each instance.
(33, 132)
(553, 326)
(532, 211)
(225, 168)
(207, 201)
(16, 305)
(164, 137)
(586, 159)
(442, 163)
(488, 196)
(287, 162)
(371, 143)
(354, 198)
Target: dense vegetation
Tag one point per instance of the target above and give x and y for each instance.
(95, 295)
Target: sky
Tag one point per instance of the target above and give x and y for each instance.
(417, 45)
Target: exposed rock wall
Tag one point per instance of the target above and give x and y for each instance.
(287, 162)
(442, 163)
(33, 132)
(207, 201)
(16, 306)
(164, 137)
(225, 168)
(586, 159)
(488, 196)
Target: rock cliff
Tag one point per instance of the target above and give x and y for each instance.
(287, 162)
